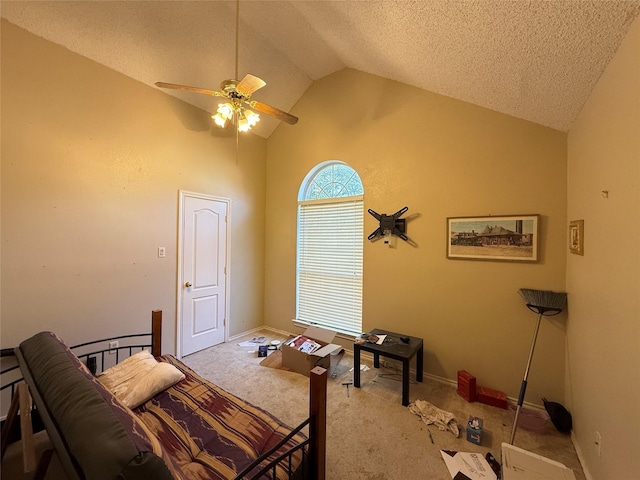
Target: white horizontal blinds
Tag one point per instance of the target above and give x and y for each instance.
(330, 263)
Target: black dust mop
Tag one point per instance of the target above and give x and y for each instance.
(542, 302)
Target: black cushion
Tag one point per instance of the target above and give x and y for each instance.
(560, 416)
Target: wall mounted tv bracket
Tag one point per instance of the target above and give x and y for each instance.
(390, 225)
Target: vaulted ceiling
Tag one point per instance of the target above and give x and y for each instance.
(533, 59)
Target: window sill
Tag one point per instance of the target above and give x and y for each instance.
(347, 336)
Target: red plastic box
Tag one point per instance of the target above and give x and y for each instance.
(492, 397)
(466, 386)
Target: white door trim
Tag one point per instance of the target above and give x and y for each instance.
(179, 286)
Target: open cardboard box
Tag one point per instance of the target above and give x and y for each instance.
(302, 362)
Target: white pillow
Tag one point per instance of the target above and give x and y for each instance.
(161, 377)
(119, 377)
(138, 378)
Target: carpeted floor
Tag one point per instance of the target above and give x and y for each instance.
(370, 435)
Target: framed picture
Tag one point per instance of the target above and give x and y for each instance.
(507, 237)
(576, 237)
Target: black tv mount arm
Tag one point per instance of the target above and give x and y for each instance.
(390, 224)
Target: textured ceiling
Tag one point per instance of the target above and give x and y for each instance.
(532, 59)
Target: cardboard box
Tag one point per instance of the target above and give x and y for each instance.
(519, 464)
(302, 362)
(474, 430)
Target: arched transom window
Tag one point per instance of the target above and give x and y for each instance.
(331, 180)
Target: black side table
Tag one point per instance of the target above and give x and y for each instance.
(395, 348)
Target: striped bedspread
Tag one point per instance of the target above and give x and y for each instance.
(209, 433)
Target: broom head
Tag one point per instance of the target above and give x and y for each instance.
(544, 302)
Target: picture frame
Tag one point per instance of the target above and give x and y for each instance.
(576, 237)
(511, 238)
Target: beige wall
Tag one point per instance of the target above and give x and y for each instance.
(604, 284)
(440, 157)
(92, 162)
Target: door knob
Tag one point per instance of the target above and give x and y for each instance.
(188, 284)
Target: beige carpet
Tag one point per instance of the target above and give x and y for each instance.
(370, 435)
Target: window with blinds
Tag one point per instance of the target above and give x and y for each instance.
(330, 246)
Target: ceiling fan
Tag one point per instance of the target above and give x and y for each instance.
(239, 106)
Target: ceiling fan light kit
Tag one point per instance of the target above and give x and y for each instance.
(225, 113)
(245, 119)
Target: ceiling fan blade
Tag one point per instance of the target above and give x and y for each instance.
(274, 112)
(249, 84)
(175, 86)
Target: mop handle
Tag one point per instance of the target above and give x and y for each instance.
(523, 385)
(523, 389)
(533, 346)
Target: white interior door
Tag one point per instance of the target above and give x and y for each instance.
(203, 272)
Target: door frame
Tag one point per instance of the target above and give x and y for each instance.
(182, 194)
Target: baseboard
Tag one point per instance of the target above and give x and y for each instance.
(585, 470)
(275, 330)
(248, 332)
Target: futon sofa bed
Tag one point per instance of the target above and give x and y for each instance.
(187, 428)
